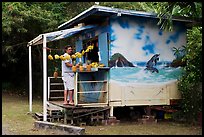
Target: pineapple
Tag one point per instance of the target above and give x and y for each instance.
(74, 67)
(88, 66)
(81, 68)
(55, 75)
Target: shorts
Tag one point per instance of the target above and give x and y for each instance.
(68, 81)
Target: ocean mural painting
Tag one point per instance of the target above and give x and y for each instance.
(140, 52)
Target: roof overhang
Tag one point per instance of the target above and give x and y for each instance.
(57, 35)
(96, 14)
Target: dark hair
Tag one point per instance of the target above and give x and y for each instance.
(66, 47)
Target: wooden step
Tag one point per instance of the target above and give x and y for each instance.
(39, 116)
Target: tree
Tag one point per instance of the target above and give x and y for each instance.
(190, 84)
(166, 10)
(23, 21)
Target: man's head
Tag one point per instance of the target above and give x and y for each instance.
(68, 49)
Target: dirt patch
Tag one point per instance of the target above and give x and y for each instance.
(134, 128)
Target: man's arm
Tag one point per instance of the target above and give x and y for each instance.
(68, 64)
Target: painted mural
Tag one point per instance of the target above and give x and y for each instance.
(140, 52)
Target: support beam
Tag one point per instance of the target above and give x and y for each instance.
(30, 80)
(44, 79)
(111, 111)
(75, 89)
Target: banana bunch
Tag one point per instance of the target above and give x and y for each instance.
(83, 52)
(101, 65)
(78, 54)
(89, 48)
(94, 64)
(62, 57)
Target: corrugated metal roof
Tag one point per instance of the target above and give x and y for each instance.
(57, 35)
(99, 10)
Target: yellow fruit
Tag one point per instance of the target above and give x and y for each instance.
(74, 68)
(101, 65)
(91, 47)
(73, 56)
(88, 68)
(62, 57)
(87, 50)
(50, 57)
(56, 56)
(67, 57)
(78, 55)
(83, 52)
(81, 68)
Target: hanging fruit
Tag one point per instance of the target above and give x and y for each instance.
(57, 56)
(50, 57)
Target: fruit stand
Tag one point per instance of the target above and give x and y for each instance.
(125, 58)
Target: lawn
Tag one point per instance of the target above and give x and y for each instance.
(17, 121)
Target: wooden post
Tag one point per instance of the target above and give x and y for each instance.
(30, 80)
(75, 90)
(111, 111)
(65, 115)
(44, 79)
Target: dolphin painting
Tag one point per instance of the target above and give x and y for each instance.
(152, 62)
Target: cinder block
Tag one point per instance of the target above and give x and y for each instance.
(111, 121)
(68, 129)
(147, 119)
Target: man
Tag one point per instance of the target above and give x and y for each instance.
(68, 76)
(93, 55)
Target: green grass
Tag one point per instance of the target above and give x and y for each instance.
(15, 117)
(15, 120)
(144, 129)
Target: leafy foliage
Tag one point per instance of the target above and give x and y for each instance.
(124, 5)
(23, 21)
(190, 84)
(166, 10)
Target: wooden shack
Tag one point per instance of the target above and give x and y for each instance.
(138, 56)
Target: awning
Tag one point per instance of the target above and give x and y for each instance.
(57, 35)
